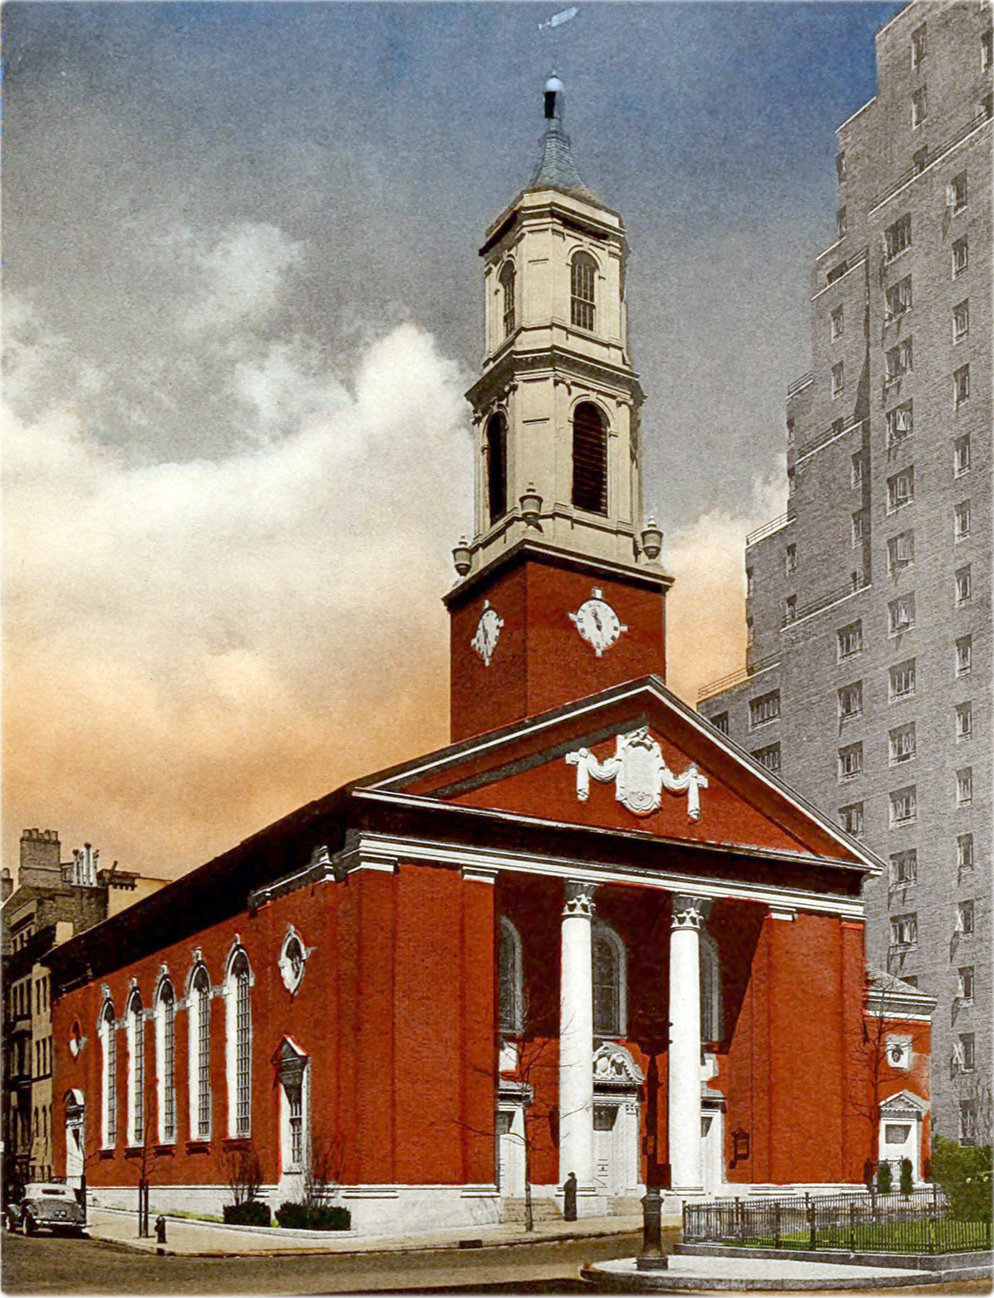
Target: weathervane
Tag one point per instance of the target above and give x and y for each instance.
(552, 23)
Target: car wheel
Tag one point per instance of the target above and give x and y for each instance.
(28, 1225)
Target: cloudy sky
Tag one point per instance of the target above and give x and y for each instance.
(242, 303)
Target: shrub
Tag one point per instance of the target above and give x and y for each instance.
(251, 1213)
(885, 1178)
(907, 1177)
(302, 1216)
(964, 1173)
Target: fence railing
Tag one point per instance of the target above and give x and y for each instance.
(769, 528)
(737, 678)
(920, 1222)
(933, 156)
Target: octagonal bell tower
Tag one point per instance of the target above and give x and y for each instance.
(560, 592)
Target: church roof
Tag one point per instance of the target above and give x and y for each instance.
(556, 168)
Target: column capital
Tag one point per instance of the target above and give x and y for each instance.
(579, 899)
(689, 911)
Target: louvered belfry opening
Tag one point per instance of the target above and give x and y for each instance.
(497, 466)
(589, 459)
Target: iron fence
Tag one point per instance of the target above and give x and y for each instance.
(920, 1222)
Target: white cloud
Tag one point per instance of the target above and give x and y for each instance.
(239, 276)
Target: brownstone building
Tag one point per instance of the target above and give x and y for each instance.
(868, 674)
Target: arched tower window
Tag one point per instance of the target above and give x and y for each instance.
(511, 980)
(165, 1061)
(108, 1079)
(710, 990)
(200, 1055)
(589, 459)
(136, 1070)
(239, 1045)
(497, 466)
(507, 291)
(583, 274)
(609, 978)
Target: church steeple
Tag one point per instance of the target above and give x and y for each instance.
(558, 516)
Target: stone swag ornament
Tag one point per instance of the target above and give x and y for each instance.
(639, 773)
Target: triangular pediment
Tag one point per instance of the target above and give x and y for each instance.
(634, 758)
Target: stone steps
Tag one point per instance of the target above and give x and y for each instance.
(513, 1210)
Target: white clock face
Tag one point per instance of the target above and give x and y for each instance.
(487, 633)
(597, 622)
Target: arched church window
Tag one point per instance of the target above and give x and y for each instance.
(507, 291)
(136, 1070)
(710, 990)
(510, 980)
(497, 466)
(609, 977)
(589, 459)
(108, 1078)
(583, 274)
(165, 1059)
(239, 1045)
(200, 1054)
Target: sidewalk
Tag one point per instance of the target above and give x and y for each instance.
(185, 1238)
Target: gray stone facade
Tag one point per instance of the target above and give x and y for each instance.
(868, 676)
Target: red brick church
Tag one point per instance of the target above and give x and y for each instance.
(591, 920)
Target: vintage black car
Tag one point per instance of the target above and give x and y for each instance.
(46, 1205)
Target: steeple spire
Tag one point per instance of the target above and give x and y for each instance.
(557, 170)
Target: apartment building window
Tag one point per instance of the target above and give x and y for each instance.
(858, 527)
(904, 805)
(961, 386)
(749, 632)
(897, 237)
(790, 608)
(957, 193)
(961, 521)
(964, 1053)
(964, 786)
(790, 430)
(840, 166)
(987, 106)
(964, 722)
(986, 51)
(790, 558)
(920, 160)
(961, 455)
(850, 640)
(901, 489)
(851, 818)
(904, 868)
(918, 46)
(720, 722)
(840, 222)
(919, 107)
(748, 583)
(964, 655)
(964, 853)
(964, 918)
(900, 360)
(900, 551)
(768, 757)
(850, 761)
(902, 744)
(838, 379)
(968, 1122)
(964, 585)
(961, 256)
(904, 930)
(856, 469)
(851, 701)
(838, 322)
(901, 614)
(898, 298)
(764, 708)
(965, 985)
(902, 680)
(900, 424)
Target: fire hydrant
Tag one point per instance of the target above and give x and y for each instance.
(160, 1232)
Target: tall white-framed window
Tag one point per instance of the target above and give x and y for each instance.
(610, 979)
(238, 993)
(294, 1106)
(510, 980)
(199, 1035)
(583, 279)
(136, 1070)
(710, 964)
(108, 1076)
(507, 296)
(165, 1061)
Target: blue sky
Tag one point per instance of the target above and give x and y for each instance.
(243, 299)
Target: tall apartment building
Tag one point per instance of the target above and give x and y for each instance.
(868, 673)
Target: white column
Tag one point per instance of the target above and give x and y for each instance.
(685, 1044)
(576, 1041)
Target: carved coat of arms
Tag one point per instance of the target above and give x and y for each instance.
(640, 774)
